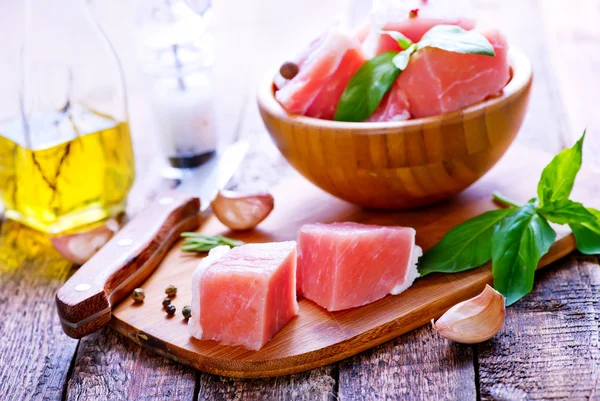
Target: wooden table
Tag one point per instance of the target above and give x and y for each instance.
(547, 349)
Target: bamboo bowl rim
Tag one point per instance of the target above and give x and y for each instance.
(521, 75)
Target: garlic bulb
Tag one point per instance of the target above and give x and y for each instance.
(240, 211)
(474, 320)
(79, 247)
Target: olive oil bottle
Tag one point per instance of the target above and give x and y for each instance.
(66, 155)
(79, 171)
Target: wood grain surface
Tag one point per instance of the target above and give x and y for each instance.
(420, 365)
(561, 38)
(34, 353)
(316, 337)
(131, 373)
(550, 329)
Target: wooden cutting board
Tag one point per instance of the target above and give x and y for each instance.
(317, 337)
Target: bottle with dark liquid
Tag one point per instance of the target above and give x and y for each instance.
(66, 158)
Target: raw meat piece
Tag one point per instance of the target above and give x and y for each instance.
(325, 104)
(322, 76)
(245, 295)
(300, 59)
(436, 81)
(412, 28)
(344, 265)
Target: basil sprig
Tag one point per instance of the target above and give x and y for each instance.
(367, 87)
(466, 246)
(518, 244)
(559, 176)
(515, 239)
(375, 78)
(453, 38)
(587, 234)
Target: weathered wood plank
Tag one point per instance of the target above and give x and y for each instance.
(317, 384)
(35, 355)
(418, 366)
(548, 347)
(109, 367)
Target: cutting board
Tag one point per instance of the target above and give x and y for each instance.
(317, 337)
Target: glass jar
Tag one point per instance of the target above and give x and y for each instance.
(66, 158)
(176, 51)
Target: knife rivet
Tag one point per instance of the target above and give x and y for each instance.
(125, 242)
(165, 201)
(82, 287)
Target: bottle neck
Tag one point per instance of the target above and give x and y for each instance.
(66, 59)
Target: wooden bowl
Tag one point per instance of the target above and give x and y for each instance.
(403, 164)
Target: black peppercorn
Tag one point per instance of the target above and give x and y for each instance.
(166, 302)
(171, 291)
(138, 295)
(187, 311)
(171, 309)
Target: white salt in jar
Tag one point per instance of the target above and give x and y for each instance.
(184, 112)
(176, 49)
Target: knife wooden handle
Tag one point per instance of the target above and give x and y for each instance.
(84, 302)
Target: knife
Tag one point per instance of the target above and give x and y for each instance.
(84, 302)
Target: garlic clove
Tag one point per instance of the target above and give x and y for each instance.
(475, 320)
(79, 247)
(240, 211)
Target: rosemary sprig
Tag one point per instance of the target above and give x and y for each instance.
(195, 242)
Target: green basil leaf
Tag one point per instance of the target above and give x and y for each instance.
(559, 176)
(517, 246)
(367, 87)
(402, 40)
(565, 211)
(466, 246)
(587, 234)
(401, 59)
(455, 39)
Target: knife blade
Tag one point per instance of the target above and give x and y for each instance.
(206, 180)
(84, 302)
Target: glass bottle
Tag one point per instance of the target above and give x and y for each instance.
(66, 158)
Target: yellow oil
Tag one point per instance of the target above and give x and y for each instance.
(71, 168)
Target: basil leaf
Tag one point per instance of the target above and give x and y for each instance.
(517, 246)
(367, 87)
(466, 246)
(565, 211)
(455, 39)
(402, 40)
(587, 234)
(559, 176)
(401, 59)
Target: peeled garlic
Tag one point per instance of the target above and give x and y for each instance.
(79, 247)
(474, 320)
(240, 211)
